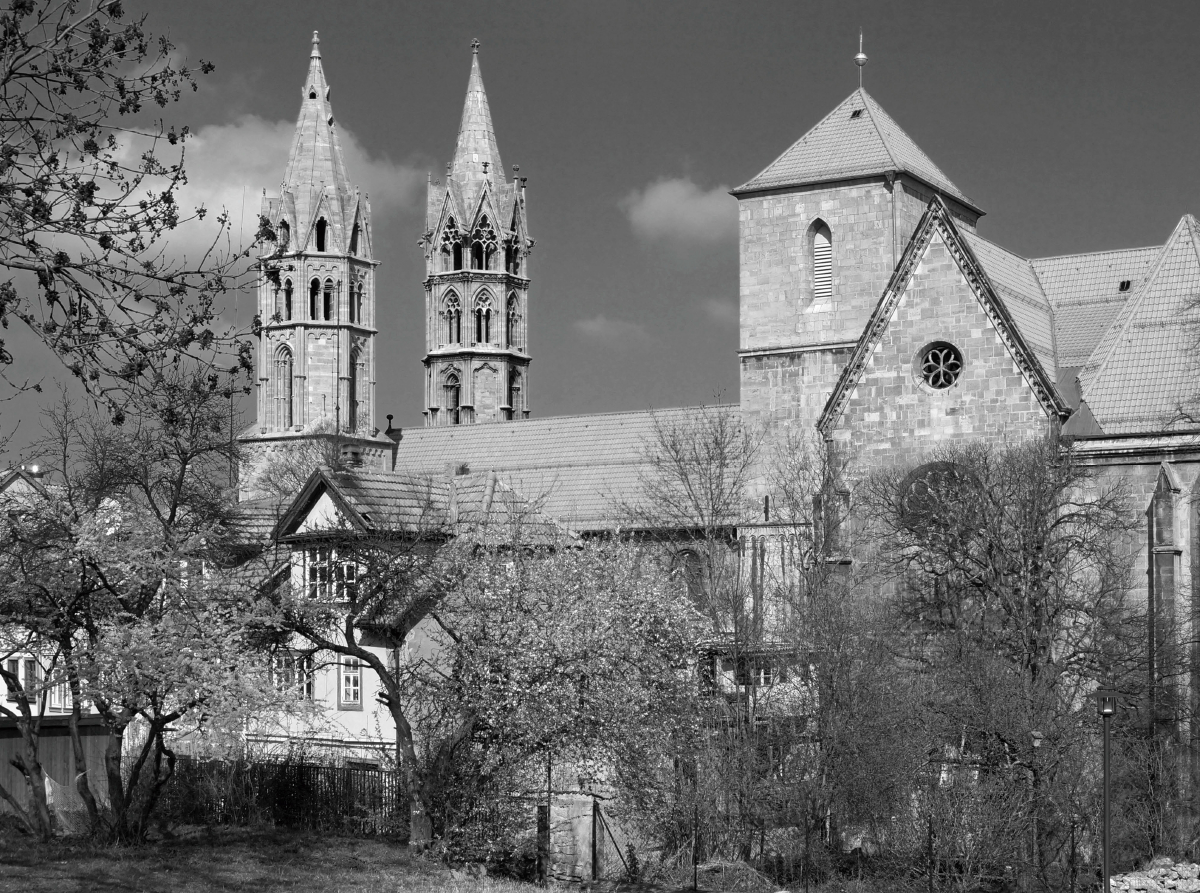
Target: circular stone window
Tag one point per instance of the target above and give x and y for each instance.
(941, 364)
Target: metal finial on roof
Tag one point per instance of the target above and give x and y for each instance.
(861, 59)
(475, 46)
(316, 50)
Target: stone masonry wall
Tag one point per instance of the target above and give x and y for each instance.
(893, 417)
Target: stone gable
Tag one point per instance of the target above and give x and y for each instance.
(893, 417)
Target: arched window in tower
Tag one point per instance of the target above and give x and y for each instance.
(514, 392)
(483, 319)
(508, 257)
(358, 304)
(511, 323)
(822, 261)
(483, 245)
(287, 299)
(283, 236)
(458, 256)
(354, 239)
(283, 389)
(352, 304)
(452, 398)
(476, 255)
(314, 295)
(321, 227)
(352, 393)
(452, 312)
(328, 302)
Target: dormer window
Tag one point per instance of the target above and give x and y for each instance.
(857, 113)
(1124, 285)
(321, 227)
(822, 262)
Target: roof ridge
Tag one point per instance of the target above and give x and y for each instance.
(995, 244)
(868, 102)
(516, 425)
(1095, 253)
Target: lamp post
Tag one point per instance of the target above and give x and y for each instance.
(1035, 739)
(1106, 706)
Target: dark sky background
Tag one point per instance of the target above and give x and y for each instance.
(1074, 125)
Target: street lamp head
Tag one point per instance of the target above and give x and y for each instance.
(1106, 701)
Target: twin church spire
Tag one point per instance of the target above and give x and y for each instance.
(316, 297)
(476, 247)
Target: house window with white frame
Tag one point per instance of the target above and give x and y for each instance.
(293, 673)
(350, 687)
(328, 576)
(60, 694)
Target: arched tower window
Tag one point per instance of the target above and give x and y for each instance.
(452, 311)
(458, 256)
(452, 397)
(283, 388)
(483, 319)
(328, 302)
(352, 388)
(358, 304)
(822, 261)
(511, 331)
(354, 239)
(476, 256)
(321, 227)
(287, 299)
(514, 391)
(314, 294)
(284, 236)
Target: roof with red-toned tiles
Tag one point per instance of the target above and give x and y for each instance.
(856, 139)
(1143, 372)
(1086, 293)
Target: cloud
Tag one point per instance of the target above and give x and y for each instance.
(725, 312)
(612, 332)
(229, 165)
(680, 211)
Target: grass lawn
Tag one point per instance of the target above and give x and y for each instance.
(232, 861)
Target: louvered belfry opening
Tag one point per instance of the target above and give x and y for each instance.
(822, 257)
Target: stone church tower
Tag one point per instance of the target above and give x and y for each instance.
(316, 300)
(476, 246)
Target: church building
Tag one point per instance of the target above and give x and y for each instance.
(873, 315)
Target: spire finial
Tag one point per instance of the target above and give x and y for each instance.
(861, 59)
(475, 47)
(316, 50)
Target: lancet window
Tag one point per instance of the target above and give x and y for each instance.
(822, 261)
(353, 388)
(328, 302)
(287, 299)
(322, 226)
(452, 397)
(483, 319)
(283, 236)
(483, 246)
(512, 332)
(283, 388)
(314, 296)
(452, 314)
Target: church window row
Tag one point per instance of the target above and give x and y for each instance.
(485, 314)
(481, 248)
(283, 236)
(452, 395)
(322, 301)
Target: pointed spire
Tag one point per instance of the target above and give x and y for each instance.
(315, 166)
(476, 155)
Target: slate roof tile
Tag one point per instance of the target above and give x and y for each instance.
(844, 145)
(1144, 369)
(1015, 283)
(576, 469)
(1084, 290)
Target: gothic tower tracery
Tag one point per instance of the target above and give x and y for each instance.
(316, 302)
(476, 247)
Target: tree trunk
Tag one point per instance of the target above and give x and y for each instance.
(29, 765)
(82, 779)
(420, 825)
(118, 802)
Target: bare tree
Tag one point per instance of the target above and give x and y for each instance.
(88, 200)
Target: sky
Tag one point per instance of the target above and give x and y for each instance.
(1073, 125)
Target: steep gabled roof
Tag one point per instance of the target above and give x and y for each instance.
(1144, 370)
(845, 145)
(937, 220)
(1085, 292)
(1014, 281)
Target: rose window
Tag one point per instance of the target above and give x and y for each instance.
(941, 364)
